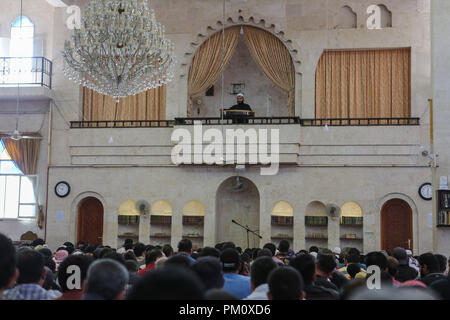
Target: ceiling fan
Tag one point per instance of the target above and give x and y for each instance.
(16, 135)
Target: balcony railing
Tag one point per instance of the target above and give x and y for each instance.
(25, 71)
(360, 122)
(122, 124)
(249, 121)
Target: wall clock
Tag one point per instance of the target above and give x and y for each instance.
(62, 189)
(426, 191)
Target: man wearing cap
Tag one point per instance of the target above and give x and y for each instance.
(240, 105)
(234, 283)
(405, 272)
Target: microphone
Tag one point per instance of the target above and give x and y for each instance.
(233, 221)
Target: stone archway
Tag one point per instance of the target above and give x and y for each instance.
(239, 200)
(250, 20)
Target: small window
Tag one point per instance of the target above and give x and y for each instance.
(210, 92)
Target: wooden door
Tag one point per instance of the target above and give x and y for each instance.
(396, 225)
(90, 221)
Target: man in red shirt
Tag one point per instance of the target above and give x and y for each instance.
(150, 259)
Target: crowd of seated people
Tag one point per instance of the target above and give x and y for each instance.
(137, 271)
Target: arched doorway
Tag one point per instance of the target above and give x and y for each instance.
(90, 221)
(237, 199)
(396, 225)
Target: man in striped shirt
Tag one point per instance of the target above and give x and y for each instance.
(30, 264)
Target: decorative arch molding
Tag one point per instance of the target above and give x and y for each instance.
(400, 196)
(15, 18)
(415, 214)
(240, 19)
(222, 181)
(346, 18)
(73, 219)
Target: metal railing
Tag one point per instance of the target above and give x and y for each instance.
(244, 121)
(122, 124)
(26, 71)
(248, 121)
(360, 122)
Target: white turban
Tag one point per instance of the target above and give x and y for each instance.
(240, 95)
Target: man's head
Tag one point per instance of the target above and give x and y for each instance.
(378, 259)
(67, 270)
(264, 253)
(168, 283)
(30, 264)
(306, 266)
(442, 260)
(351, 258)
(271, 247)
(185, 245)
(401, 256)
(283, 246)
(353, 269)
(152, 255)
(428, 264)
(326, 263)
(230, 260)
(8, 271)
(260, 270)
(313, 249)
(392, 266)
(227, 245)
(240, 98)
(178, 260)
(209, 270)
(37, 242)
(285, 283)
(139, 249)
(210, 252)
(107, 278)
(354, 251)
(167, 250)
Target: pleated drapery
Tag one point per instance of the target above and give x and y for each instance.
(364, 84)
(206, 65)
(148, 105)
(24, 152)
(274, 59)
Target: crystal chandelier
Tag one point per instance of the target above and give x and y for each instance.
(120, 49)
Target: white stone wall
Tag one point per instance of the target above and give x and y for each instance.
(441, 101)
(370, 188)
(368, 165)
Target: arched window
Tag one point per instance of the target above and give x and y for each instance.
(21, 49)
(22, 34)
(17, 192)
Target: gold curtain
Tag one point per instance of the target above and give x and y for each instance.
(364, 84)
(274, 59)
(24, 152)
(148, 105)
(206, 66)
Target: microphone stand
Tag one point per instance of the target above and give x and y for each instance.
(248, 230)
